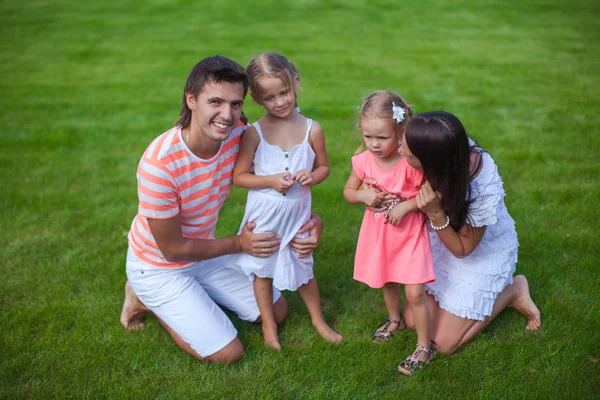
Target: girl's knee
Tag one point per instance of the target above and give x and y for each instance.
(415, 294)
(229, 354)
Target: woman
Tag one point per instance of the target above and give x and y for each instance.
(473, 238)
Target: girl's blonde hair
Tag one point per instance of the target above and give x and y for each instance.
(272, 65)
(379, 105)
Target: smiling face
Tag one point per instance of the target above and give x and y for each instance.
(411, 160)
(216, 110)
(379, 136)
(278, 99)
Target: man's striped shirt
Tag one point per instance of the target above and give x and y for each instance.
(172, 180)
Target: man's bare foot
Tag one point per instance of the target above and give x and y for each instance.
(523, 303)
(328, 334)
(134, 311)
(270, 338)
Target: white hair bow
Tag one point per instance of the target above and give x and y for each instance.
(398, 113)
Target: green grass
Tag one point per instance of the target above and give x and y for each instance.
(86, 86)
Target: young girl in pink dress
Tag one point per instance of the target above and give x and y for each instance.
(393, 245)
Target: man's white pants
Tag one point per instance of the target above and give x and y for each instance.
(186, 299)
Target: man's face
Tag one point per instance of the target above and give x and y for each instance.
(217, 109)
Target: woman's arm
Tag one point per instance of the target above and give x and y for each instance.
(242, 176)
(461, 243)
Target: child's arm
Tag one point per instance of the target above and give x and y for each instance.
(401, 209)
(352, 195)
(242, 176)
(321, 167)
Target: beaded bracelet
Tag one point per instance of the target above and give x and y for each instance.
(439, 228)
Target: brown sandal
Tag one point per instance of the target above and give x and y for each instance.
(410, 365)
(383, 334)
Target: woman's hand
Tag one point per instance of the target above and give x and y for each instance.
(430, 202)
(304, 246)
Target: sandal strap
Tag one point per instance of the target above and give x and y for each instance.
(384, 333)
(388, 322)
(421, 348)
(411, 364)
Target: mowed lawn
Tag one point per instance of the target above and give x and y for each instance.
(85, 86)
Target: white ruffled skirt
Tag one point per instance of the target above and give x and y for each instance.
(468, 287)
(284, 215)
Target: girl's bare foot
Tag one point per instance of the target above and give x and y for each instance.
(270, 338)
(328, 334)
(134, 311)
(523, 303)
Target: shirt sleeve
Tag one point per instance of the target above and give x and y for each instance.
(358, 165)
(487, 195)
(157, 191)
(414, 178)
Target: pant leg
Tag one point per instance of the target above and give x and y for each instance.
(180, 301)
(232, 288)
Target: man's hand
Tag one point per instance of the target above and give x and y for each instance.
(305, 246)
(258, 244)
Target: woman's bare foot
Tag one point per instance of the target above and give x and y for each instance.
(134, 311)
(270, 338)
(523, 303)
(328, 334)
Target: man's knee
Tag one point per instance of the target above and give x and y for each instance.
(229, 354)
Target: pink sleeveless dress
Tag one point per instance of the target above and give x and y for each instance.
(387, 253)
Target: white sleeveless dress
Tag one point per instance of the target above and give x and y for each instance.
(284, 213)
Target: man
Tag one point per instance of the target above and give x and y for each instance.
(175, 266)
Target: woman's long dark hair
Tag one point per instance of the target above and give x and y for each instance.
(439, 140)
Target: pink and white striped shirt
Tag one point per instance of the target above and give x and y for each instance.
(172, 180)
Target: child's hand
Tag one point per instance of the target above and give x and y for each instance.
(371, 197)
(304, 177)
(397, 213)
(281, 182)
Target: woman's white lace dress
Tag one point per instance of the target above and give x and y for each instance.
(469, 286)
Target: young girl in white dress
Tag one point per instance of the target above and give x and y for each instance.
(281, 156)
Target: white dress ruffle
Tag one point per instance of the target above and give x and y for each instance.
(468, 286)
(282, 213)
